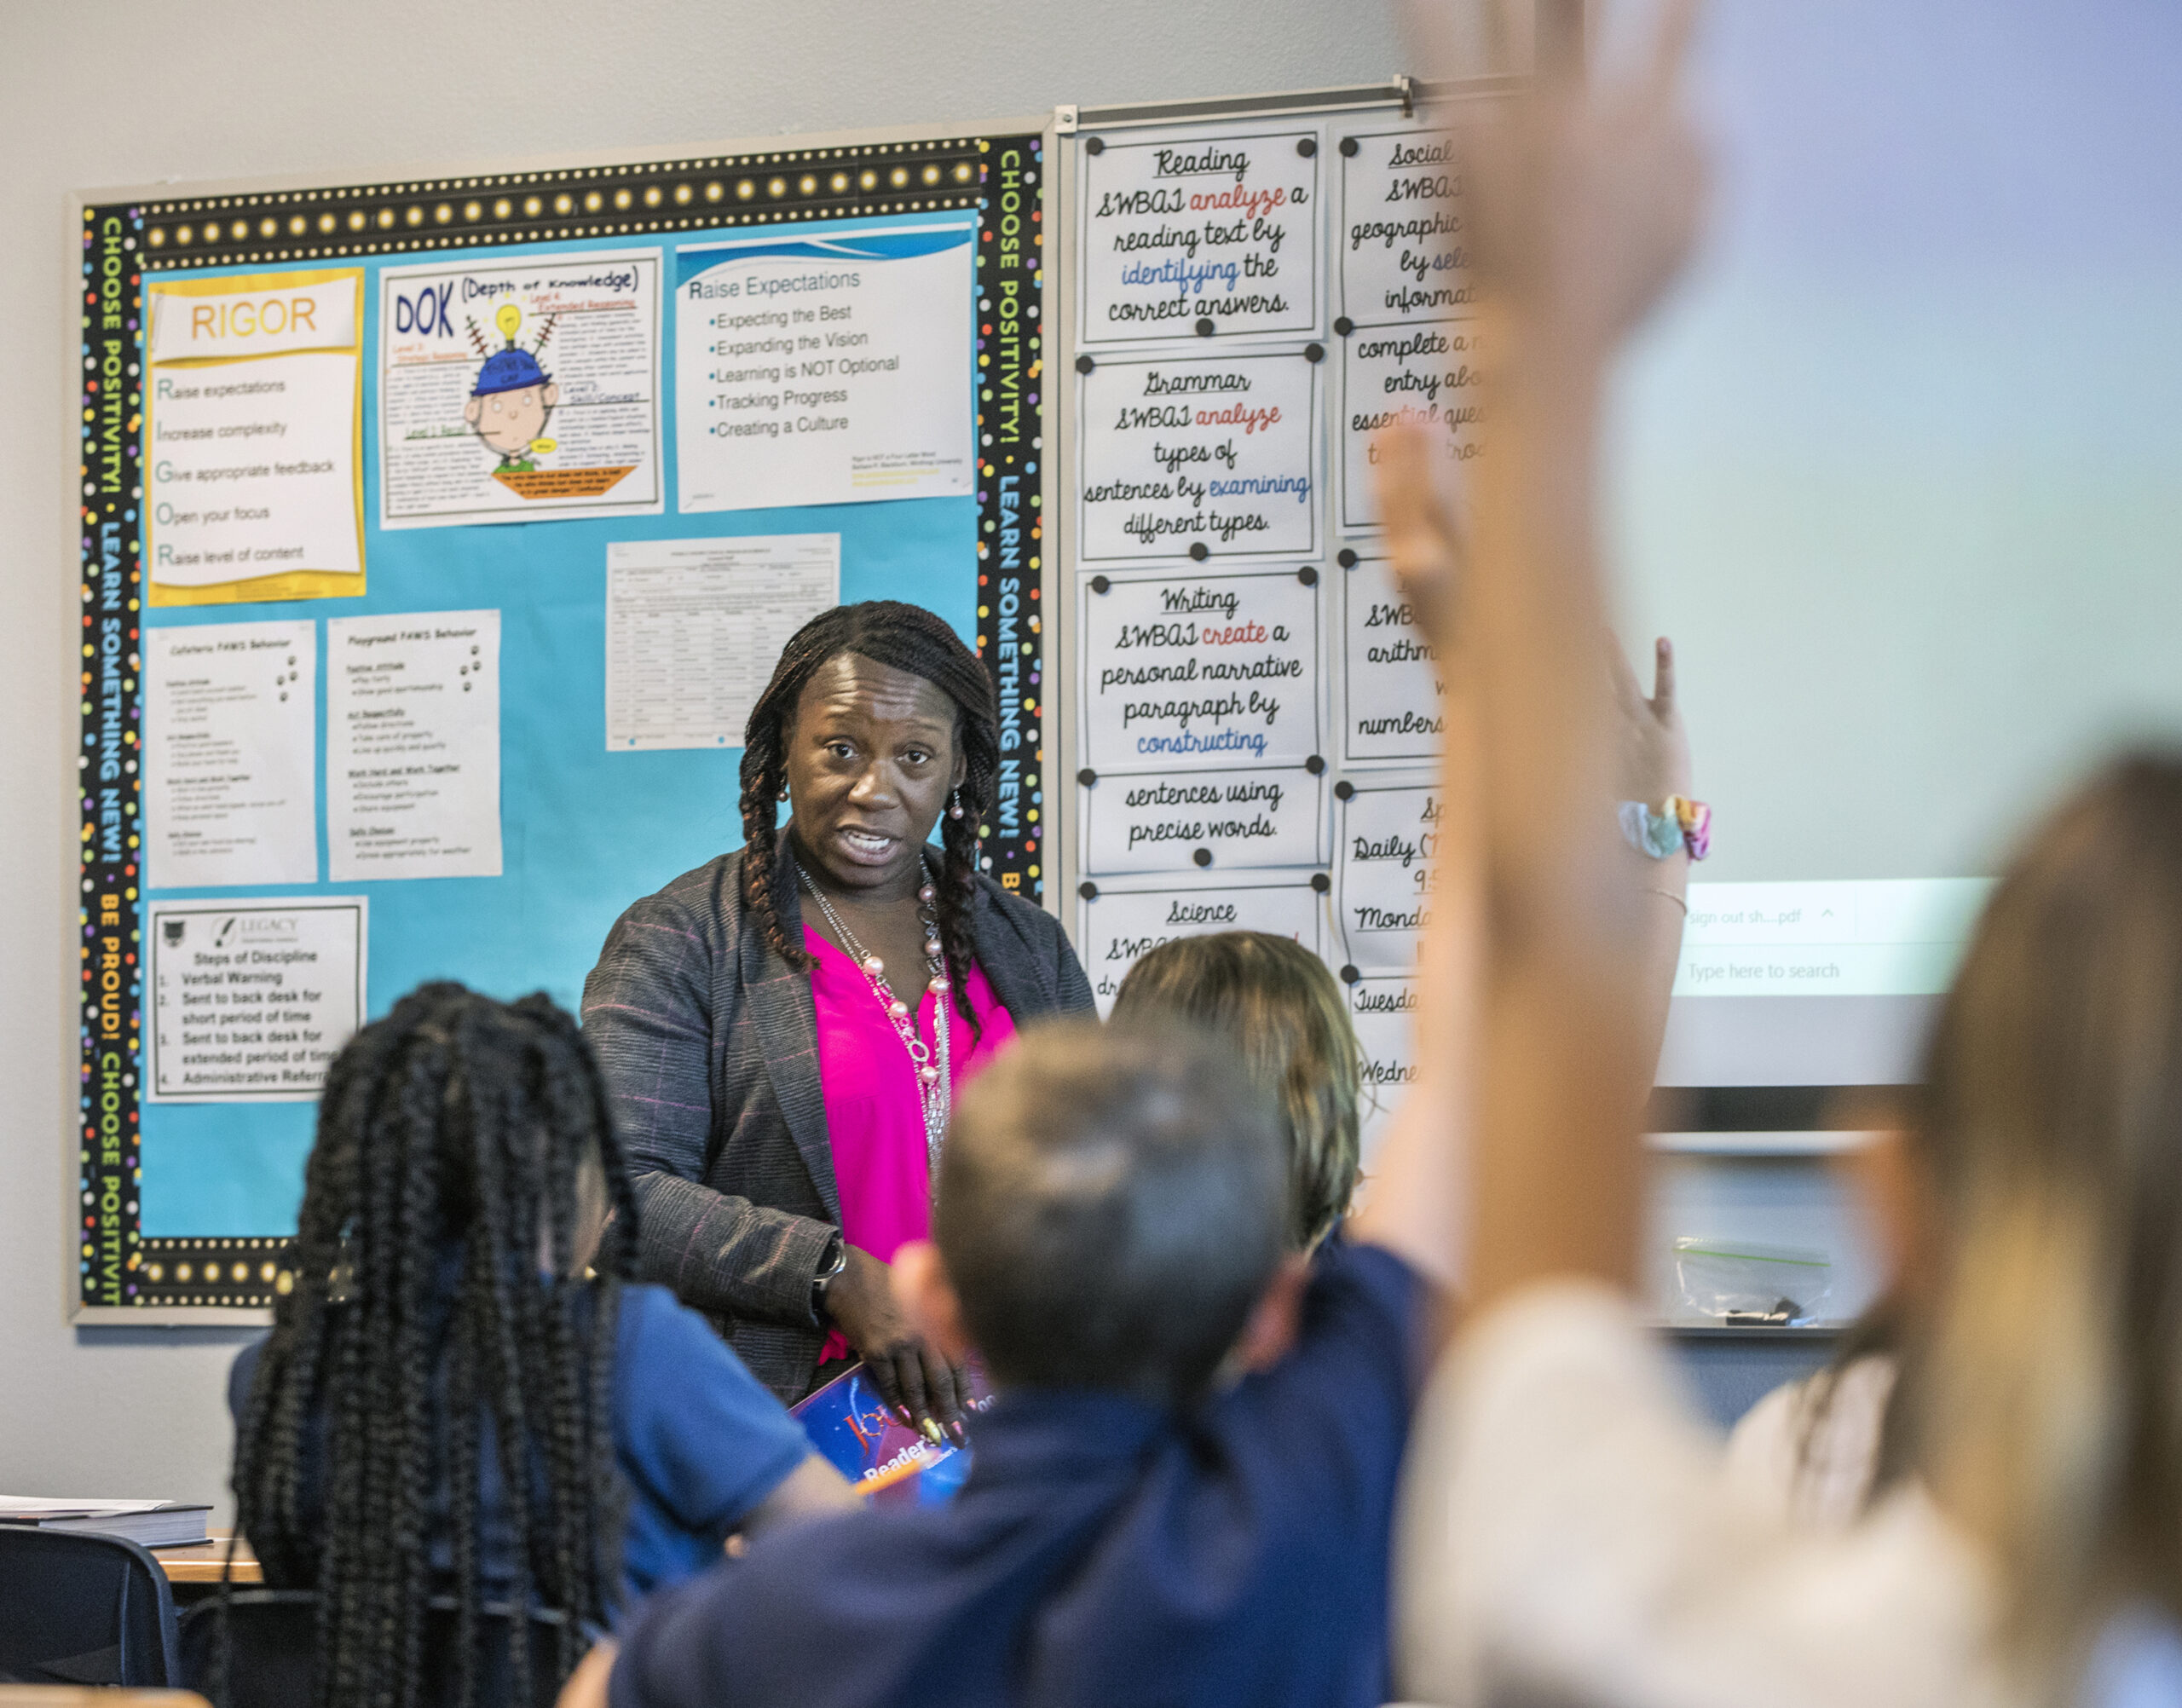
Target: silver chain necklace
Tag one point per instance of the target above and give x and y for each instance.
(934, 1092)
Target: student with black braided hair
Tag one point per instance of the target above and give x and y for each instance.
(781, 1031)
(462, 1301)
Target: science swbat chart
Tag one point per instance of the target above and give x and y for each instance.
(1119, 921)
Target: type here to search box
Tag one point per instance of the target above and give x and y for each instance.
(1869, 937)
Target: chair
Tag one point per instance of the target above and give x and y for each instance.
(80, 1608)
(272, 1640)
(272, 1636)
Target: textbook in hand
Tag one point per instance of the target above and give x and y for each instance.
(853, 1430)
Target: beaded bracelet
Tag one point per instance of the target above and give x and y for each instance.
(1680, 824)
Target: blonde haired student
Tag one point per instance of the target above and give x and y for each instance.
(1570, 1534)
(1275, 1004)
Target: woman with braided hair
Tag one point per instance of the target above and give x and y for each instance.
(782, 1030)
(462, 1301)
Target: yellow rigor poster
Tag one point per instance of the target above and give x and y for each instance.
(253, 437)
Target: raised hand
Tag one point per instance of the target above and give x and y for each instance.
(1424, 542)
(1583, 201)
(1652, 758)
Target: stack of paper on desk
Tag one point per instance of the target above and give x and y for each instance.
(151, 1523)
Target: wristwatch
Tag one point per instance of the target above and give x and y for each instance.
(825, 1278)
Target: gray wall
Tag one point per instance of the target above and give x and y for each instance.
(135, 93)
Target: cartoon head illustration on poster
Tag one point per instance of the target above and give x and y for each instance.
(514, 397)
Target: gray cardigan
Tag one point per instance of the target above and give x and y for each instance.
(709, 1042)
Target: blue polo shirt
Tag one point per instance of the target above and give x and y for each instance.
(1103, 1552)
(698, 1438)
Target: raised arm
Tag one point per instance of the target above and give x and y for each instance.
(1419, 1206)
(1581, 209)
(1651, 763)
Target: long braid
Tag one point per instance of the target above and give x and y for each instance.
(563, 1375)
(501, 1301)
(416, 1275)
(463, 1496)
(906, 637)
(578, 1096)
(452, 1136)
(764, 773)
(575, 1095)
(955, 894)
(380, 1444)
(371, 1417)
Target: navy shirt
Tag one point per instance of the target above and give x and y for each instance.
(1103, 1551)
(699, 1440)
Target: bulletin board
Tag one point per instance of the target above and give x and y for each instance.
(1247, 292)
(435, 536)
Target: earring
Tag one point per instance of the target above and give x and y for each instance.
(783, 793)
(955, 811)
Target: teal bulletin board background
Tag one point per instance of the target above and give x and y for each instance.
(584, 832)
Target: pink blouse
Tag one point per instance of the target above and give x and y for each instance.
(876, 1124)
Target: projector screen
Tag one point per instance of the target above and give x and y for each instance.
(1900, 469)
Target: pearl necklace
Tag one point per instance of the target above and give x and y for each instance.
(934, 1092)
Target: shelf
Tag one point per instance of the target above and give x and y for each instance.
(1701, 1331)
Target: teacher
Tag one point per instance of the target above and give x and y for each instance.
(781, 1031)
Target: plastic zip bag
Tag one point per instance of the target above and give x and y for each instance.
(1740, 1285)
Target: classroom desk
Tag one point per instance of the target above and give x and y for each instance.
(199, 1565)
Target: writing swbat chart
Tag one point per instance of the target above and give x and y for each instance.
(231, 755)
(1386, 844)
(1429, 375)
(1383, 1008)
(1117, 924)
(1200, 457)
(1201, 236)
(825, 368)
(1399, 256)
(412, 745)
(253, 418)
(1237, 816)
(520, 389)
(1186, 673)
(253, 1000)
(1391, 692)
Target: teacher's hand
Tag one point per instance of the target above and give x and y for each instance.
(911, 1376)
